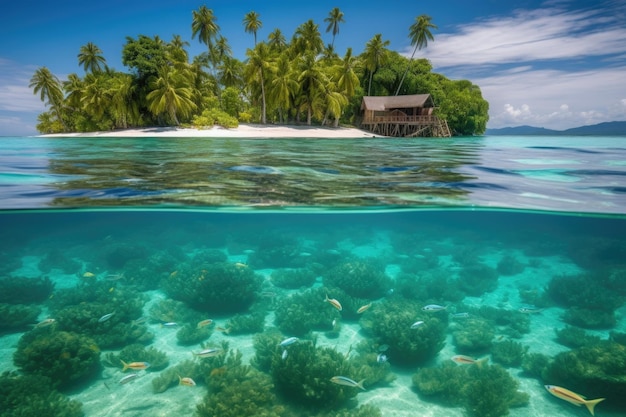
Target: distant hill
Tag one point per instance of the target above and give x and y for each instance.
(601, 129)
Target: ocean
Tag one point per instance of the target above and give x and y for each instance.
(313, 277)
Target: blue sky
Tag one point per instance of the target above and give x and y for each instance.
(555, 64)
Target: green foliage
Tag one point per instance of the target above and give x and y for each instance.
(300, 313)
(463, 106)
(473, 335)
(574, 337)
(17, 316)
(363, 278)
(144, 56)
(482, 389)
(293, 278)
(29, 395)
(212, 117)
(597, 370)
(19, 290)
(137, 353)
(390, 321)
(66, 358)
(219, 287)
(508, 353)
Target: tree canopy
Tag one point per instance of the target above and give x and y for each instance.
(280, 81)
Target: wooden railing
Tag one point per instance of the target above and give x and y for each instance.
(430, 119)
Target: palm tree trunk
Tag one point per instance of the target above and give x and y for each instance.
(406, 70)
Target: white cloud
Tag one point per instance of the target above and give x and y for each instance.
(19, 107)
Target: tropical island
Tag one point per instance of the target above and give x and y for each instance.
(300, 81)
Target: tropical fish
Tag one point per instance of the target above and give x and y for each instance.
(204, 323)
(140, 320)
(240, 265)
(527, 310)
(572, 397)
(128, 378)
(432, 308)
(460, 315)
(333, 303)
(173, 274)
(137, 366)
(186, 381)
(218, 371)
(225, 330)
(362, 309)
(208, 353)
(463, 360)
(344, 380)
(169, 324)
(114, 277)
(381, 358)
(46, 322)
(417, 324)
(89, 275)
(105, 317)
(288, 341)
(284, 355)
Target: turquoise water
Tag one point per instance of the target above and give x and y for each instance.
(118, 250)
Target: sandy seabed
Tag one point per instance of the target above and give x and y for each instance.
(242, 131)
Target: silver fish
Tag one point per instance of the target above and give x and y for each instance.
(288, 341)
(284, 355)
(208, 353)
(381, 358)
(416, 324)
(128, 378)
(433, 308)
(460, 315)
(105, 317)
(344, 380)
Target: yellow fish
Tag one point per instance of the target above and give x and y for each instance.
(135, 365)
(240, 265)
(204, 323)
(363, 308)
(186, 381)
(333, 303)
(89, 275)
(572, 397)
(46, 322)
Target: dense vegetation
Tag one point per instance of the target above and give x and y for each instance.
(280, 81)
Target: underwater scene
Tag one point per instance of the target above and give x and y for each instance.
(135, 303)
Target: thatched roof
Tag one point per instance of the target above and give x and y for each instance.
(383, 103)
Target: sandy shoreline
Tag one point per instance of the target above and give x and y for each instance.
(243, 131)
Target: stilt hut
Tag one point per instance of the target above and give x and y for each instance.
(402, 116)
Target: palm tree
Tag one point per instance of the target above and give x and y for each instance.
(252, 24)
(420, 34)
(170, 94)
(177, 50)
(231, 72)
(312, 84)
(73, 87)
(283, 86)
(335, 17)
(204, 25)
(256, 70)
(276, 41)
(49, 88)
(90, 57)
(345, 74)
(308, 39)
(376, 54)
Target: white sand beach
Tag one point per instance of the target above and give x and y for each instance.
(242, 131)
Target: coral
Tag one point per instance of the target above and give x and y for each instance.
(509, 265)
(137, 353)
(534, 297)
(277, 251)
(56, 258)
(483, 390)
(477, 279)
(597, 370)
(28, 395)
(510, 322)
(145, 274)
(18, 290)
(168, 310)
(508, 353)
(390, 321)
(304, 376)
(266, 346)
(574, 337)
(16, 316)
(190, 334)
(474, 335)
(435, 284)
(293, 278)
(583, 291)
(66, 358)
(117, 254)
(220, 287)
(363, 278)
(589, 318)
(534, 364)
(246, 323)
(302, 312)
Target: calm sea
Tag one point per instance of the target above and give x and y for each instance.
(518, 241)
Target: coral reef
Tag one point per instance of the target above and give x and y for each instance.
(474, 335)
(302, 312)
(56, 258)
(219, 287)
(597, 370)
(483, 390)
(390, 321)
(137, 353)
(66, 358)
(508, 353)
(145, 274)
(167, 311)
(29, 395)
(19, 290)
(362, 278)
(435, 284)
(14, 317)
(534, 364)
(293, 278)
(509, 265)
(574, 337)
(477, 279)
(266, 346)
(191, 334)
(246, 323)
